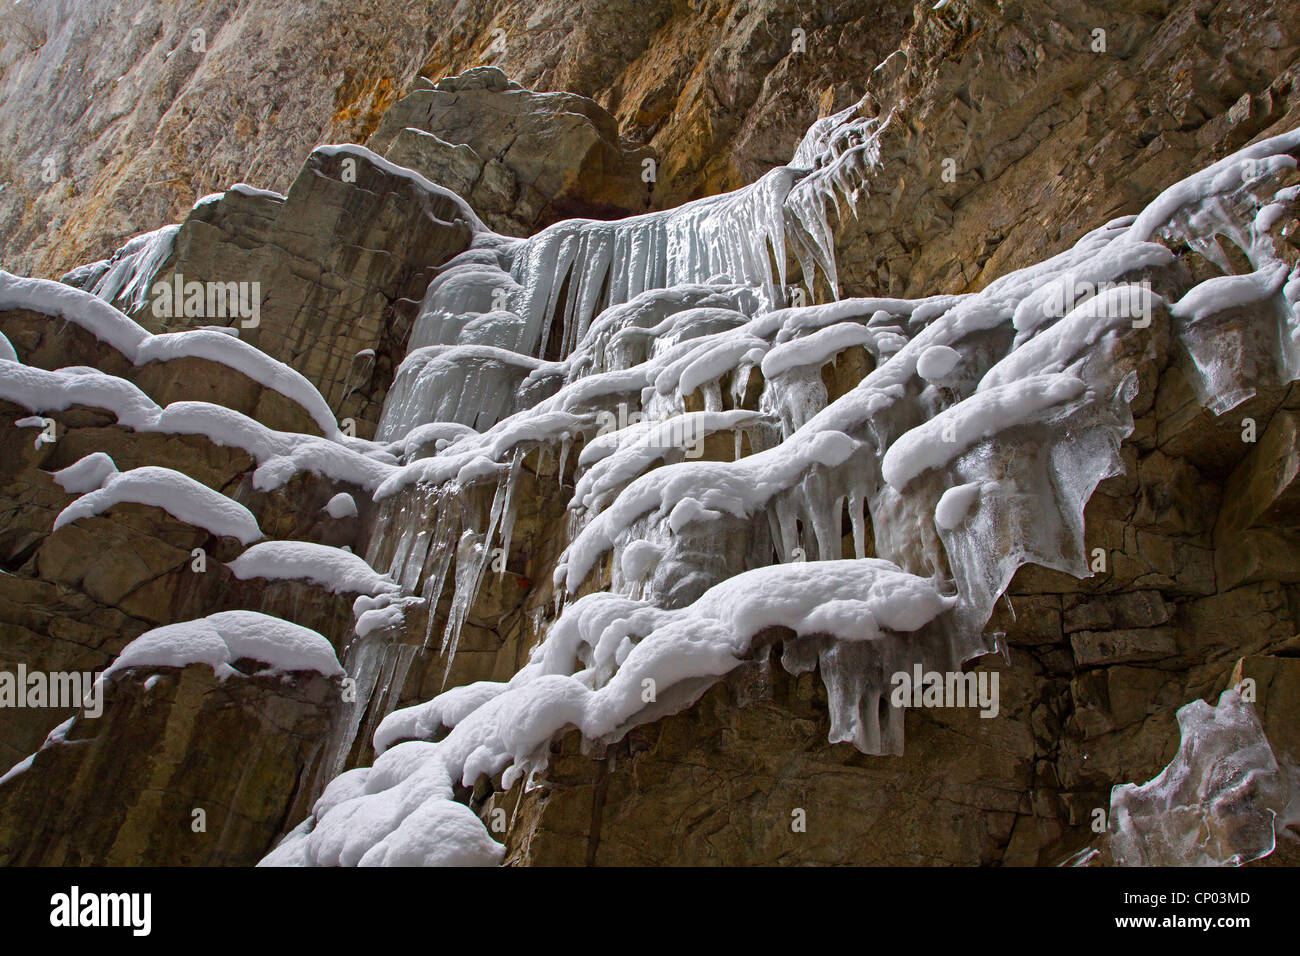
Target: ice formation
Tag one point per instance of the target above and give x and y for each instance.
(720, 502)
(944, 495)
(126, 277)
(1222, 800)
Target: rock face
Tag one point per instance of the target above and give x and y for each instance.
(719, 93)
(1018, 127)
(121, 116)
(337, 312)
(151, 755)
(1005, 133)
(522, 159)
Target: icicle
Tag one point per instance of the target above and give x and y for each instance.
(363, 660)
(857, 508)
(440, 558)
(566, 442)
(472, 557)
(508, 509)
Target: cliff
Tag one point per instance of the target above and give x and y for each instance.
(627, 416)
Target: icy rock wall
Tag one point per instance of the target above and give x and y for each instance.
(970, 447)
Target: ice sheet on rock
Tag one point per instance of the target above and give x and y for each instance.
(177, 494)
(543, 295)
(471, 385)
(1219, 802)
(219, 640)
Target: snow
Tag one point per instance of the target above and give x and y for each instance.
(117, 330)
(341, 506)
(40, 391)
(332, 568)
(86, 310)
(983, 415)
(1206, 184)
(397, 810)
(246, 359)
(446, 710)
(816, 349)
(179, 495)
(627, 453)
(54, 738)
(1231, 292)
(7, 353)
(280, 455)
(639, 558)
(219, 640)
(1074, 335)
(87, 474)
(365, 155)
(387, 610)
(244, 189)
(954, 504)
(936, 362)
